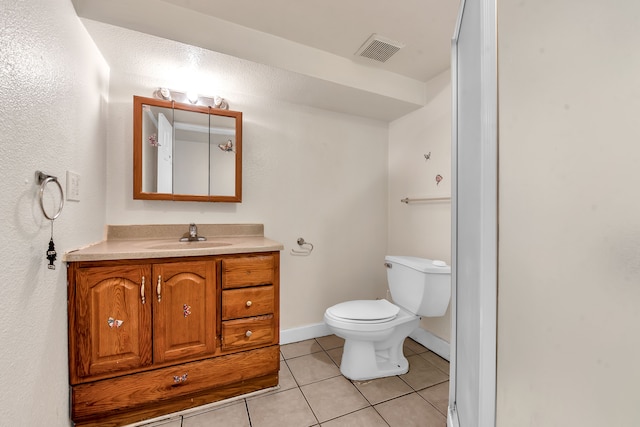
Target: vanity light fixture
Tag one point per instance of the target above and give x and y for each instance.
(190, 97)
(165, 93)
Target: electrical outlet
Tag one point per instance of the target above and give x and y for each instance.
(73, 186)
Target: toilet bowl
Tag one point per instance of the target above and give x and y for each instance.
(374, 330)
(373, 348)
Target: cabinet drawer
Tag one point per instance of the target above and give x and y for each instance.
(103, 398)
(248, 271)
(247, 302)
(245, 333)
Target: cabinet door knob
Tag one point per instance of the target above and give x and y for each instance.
(142, 291)
(159, 288)
(248, 334)
(249, 303)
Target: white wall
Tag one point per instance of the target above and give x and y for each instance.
(307, 173)
(569, 213)
(53, 86)
(422, 229)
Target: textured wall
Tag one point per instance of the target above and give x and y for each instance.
(53, 86)
(569, 214)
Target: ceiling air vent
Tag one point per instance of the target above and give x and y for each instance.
(379, 48)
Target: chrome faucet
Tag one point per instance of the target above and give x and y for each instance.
(193, 235)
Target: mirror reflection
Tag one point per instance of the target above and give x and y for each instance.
(186, 152)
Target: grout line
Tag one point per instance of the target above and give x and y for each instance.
(246, 407)
(291, 372)
(383, 418)
(305, 397)
(430, 403)
(370, 405)
(220, 404)
(310, 408)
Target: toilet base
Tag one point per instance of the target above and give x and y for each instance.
(366, 359)
(373, 365)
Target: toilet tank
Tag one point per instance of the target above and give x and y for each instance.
(419, 285)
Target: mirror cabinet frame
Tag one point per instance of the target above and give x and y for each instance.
(138, 103)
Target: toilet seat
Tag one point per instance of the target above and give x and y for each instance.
(364, 311)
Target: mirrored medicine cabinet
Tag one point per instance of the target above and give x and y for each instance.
(186, 152)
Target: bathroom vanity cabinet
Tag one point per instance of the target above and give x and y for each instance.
(152, 336)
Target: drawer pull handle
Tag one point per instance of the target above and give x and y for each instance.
(142, 291)
(248, 334)
(179, 379)
(249, 303)
(159, 288)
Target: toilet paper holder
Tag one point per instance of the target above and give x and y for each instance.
(305, 248)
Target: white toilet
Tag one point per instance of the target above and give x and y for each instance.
(375, 330)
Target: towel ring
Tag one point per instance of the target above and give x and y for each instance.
(43, 180)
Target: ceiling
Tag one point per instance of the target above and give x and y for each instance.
(341, 27)
(313, 39)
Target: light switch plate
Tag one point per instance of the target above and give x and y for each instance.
(73, 186)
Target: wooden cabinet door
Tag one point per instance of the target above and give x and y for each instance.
(184, 316)
(111, 330)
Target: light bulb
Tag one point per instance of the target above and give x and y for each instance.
(165, 93)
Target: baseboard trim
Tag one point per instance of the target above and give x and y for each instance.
(301, 333)
(316, 330)
(432, 342)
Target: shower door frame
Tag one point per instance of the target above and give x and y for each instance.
(478, 399)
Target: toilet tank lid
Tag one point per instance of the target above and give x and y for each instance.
(421, 264)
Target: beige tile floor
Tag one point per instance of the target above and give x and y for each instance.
(313, 393)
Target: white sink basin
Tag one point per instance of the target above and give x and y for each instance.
(188, 245)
